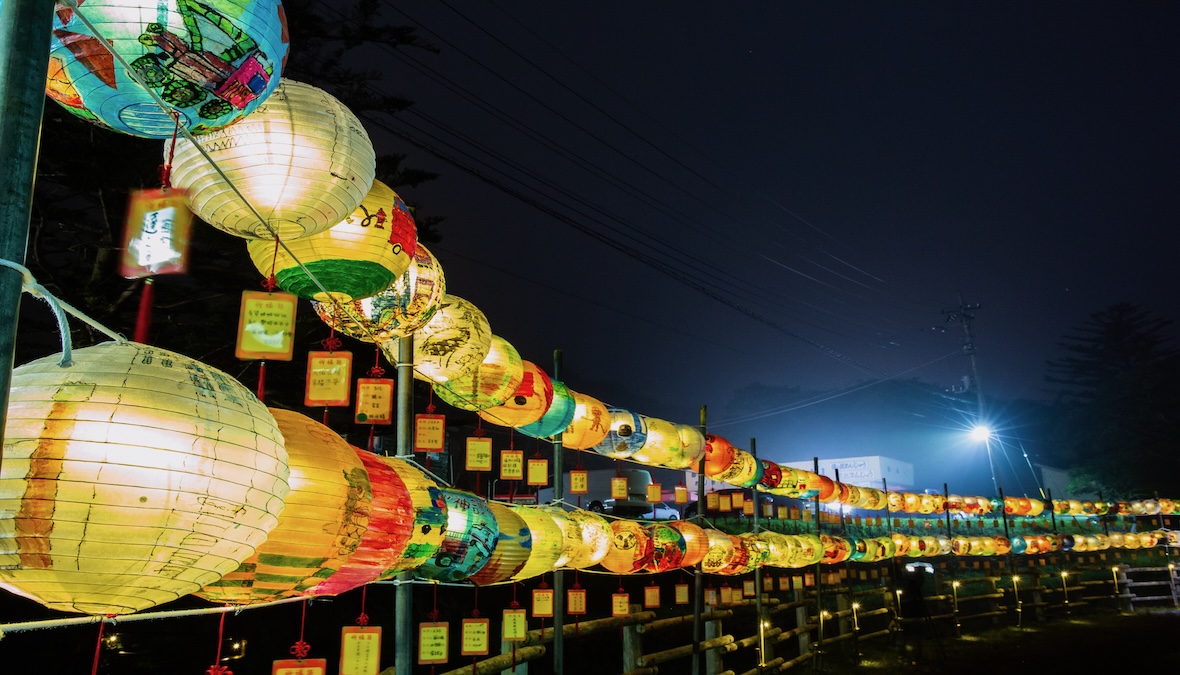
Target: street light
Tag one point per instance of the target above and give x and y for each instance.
(982, 432)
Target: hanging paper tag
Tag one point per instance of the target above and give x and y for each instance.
(360, 650)
(682, 594)
(651, 597)
(430, 433)
(433, 642)
(515, 625)
(748, 588)
(767, 582)
(781, 512)
(724, 504)
(726, 595)
(784, 583)
(266, 326)
(711, 597)
(579, 482)
(654, 493)
(768, 510)
(575, 601)
(538, 472)
(736, 500)
(329, 376)
(474, 638)
(511, 465)
(748, 507)
(479, 453)
(618, 487)
(620, 604)
(542, 603)
(156, 233)
(374, 400)
(299, 667)
(712, 501)
(680, 494)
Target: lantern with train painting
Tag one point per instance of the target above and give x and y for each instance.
(514, 545)
(590, 424)
(630, 547)
(112, 463)
(452, 344)
(628, 433)
(302, 161)
(546, 542)
(468, 542)
(326, 514)
(490, 384)
(358, 257)
(430, 517)
(557, 418)
(211, 62)
(527, 404)
(399, 310)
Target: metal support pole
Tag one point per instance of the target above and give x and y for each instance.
(698, 582)
(757, 570)
(558, 575)
(25, 30)
(819, 600)
(404, 595)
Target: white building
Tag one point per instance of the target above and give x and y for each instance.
(872, 471)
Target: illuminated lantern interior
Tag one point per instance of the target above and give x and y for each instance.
(696, 541)
(596, 537)
(527, 404)
(108, 467)
(468, 543)
(546, 539)
(692, 448)
(590, 424)
(630, 547)
(490, 384)
(722, 550)
(668, 548)
(571, 534)
(628, 433)
(238, 48)
(513, 546)
(302, 160)
(719, 454)
(662, 445)
(452, 344)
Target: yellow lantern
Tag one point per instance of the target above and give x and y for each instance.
(399, 310)
(778, 547)
(571, 534)
(691, 450)
(810, 550)
(132, 477)
(546, 539)
(527, 404)
(391, 523)
(355, 258)
(302, 160)
(696, 541)
(743, 469)
(596, 537)
(326, 514)
(430, 517)
(590, 424)
(662, 444)
(512, 547)
(490, 384)
(1035, 507)
(630, 548)
(722, 549)
(628, 433)
(740, 562)
(452, 344)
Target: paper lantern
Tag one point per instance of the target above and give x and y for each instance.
(722, 550)
(326, 513)
(662, 444)
(1035, 507)
(131, 478)
(212, 63)
(556, 418)
(810, 550)
(779, 548)
(430, 517)
(527, 404)
(758, 549)
(827, 490)
(546, 539)
(740, 562)
(302, 160)
(468, 543)
(630, 548)
(691, 450)
(453, 343)
(772, 475)
(590, 424)
(719, 454)
(696, 541)
(571, 534)
(391, 523)
(668, 548)
(355, 258)
(596, 536)
(490, 384)
(901, 544)
(513, 546)
(399, 310)
(628, 433)
(743, 471)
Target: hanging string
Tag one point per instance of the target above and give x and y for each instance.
(262, 380)
(217, 668)
(434, 614)
(270, 283)
(97, 649)
(363, 619)
(300, 649)
(143, 318)
(326, 418)
(166, 167)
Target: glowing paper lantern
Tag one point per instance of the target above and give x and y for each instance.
(740, 562)
(113, 464)
(513, 546)
(630, 548)
(213, 63)
(326, 514)
(628, 433)
(430, 517)
(452, 344)
(556, 418)
(743, 471)
(662, 444)
(722, 550)
(391, 523)
(596, 536)
(828, 491)
(692, 448)
(490, 384)
(772, 475)
(571, 534)
(590, 424)
(468, 543)
(355, 258)
(302, 159)
(546, 539)
(809, 548)
(696, 541)
(399, 310)
(527, 404)
(668, 548)
(719, 454)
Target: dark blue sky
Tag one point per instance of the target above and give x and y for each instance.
(790, 193)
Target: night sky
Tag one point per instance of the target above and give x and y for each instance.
(790, 194)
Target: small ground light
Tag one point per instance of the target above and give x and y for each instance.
(1019, 606)
(1065, 590)
(855, 621)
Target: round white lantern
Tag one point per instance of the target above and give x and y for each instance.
(302, 160)
(131, 478)
(452, 344)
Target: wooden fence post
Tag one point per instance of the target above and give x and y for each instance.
(632, 643)
(713, 656)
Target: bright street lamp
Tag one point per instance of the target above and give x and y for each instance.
(981, 432)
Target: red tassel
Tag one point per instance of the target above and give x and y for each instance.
(97, 649)
(262, 380)
(143, 321)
